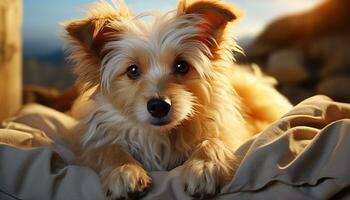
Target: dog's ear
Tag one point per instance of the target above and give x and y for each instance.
(90, 33)
(86, 38)
(216, 16)
(93, 31)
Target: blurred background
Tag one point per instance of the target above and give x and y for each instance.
(304, 44)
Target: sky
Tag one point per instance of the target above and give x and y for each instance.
(42, 30)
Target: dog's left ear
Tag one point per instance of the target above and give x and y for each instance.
(216, 15)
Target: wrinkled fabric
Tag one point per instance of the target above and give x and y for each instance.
(304, 155)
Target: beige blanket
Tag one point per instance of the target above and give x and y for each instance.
(304, 155)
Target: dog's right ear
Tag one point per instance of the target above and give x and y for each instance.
(90, 33)
(95, 30)
(87, 37)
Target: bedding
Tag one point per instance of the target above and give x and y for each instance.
(304, 155)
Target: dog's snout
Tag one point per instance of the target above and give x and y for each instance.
(158, 108)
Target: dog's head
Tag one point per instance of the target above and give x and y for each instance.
(156, 71)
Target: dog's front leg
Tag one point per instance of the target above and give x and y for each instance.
(211, 165)
(121, 175)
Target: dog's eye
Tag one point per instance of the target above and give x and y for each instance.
(181, 67)
(133, 72)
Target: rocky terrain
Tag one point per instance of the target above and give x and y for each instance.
(308, 53)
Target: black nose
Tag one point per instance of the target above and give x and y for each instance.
(158, 108)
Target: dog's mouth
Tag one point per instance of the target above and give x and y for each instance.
(160, 122)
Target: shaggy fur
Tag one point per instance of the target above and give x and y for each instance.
(215, 106)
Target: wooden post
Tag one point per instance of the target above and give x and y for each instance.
(10, 57)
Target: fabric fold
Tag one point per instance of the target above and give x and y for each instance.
(304, 155)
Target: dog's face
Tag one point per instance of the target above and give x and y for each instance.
(154, 72)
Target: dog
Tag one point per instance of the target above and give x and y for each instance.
(163, 92)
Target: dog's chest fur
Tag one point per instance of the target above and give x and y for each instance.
(105, 126)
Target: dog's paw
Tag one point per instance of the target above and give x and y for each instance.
(203, 178)
(127, 182)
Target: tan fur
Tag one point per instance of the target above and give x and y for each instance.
(215, 107)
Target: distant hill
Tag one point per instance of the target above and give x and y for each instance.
(46, 74)
(48, 70)
(245, 41)
(56, 57)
